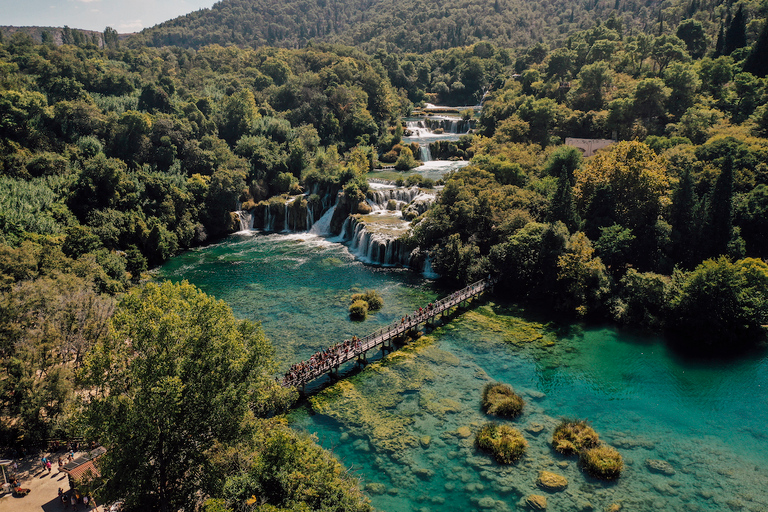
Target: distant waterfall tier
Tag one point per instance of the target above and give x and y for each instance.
(376, 239)
(438, 125)
(403, 199)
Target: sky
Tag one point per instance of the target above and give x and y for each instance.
(122, 15)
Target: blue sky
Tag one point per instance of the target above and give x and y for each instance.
(122, 15)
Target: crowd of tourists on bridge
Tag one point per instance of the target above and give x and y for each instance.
(337, 354)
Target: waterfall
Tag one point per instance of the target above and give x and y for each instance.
(286, 225)
(373, 248)
(425, 153)
(246, 219)
(323, 225)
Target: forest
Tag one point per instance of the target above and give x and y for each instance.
(116, 155)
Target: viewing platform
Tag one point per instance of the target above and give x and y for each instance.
(330, 359)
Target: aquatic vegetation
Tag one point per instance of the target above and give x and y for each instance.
(505, 443)
(602, 461)
(372, 297)
(500, 399)
(358, 310)
(573, 436)
(366, 403)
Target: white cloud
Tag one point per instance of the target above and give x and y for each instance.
(88, 1)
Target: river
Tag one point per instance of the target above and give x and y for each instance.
(403, 425)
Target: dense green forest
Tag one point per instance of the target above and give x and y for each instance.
(423, 26)
(115, 158)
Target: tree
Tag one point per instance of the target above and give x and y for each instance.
(757, 61)
(174, 378)
(721, 304)
(691, 32)
(684, 83)
(637, 178)
(720, 216)
(593, 79)
(582, 274)
(650, 100)
(563, 163)
(110, 37)
(560, 63)
(736, 35)
(667, 49)
(406, 160)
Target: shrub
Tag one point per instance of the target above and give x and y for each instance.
(371, 297)
(501, 400)
(602, 462)
(358, 310)
(391, 205)
(505, 443)
(573, 436)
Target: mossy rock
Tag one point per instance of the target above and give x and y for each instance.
(501, 400)
(603, 462)
(375, 488)
(551, 481)
(573, 436)
(464, 432)
(505, 443)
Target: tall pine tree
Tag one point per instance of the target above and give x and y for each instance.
(736, 35)
(757, 61)
(720, 218)
(720, 44)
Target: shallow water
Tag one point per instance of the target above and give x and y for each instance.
(397, 424)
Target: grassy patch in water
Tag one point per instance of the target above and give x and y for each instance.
(500, 399)
(573, 436)
(505, 443)
(602, 461)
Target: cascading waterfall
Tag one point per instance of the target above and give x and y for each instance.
(323, 225)
(246, 220)
(375, 243)
(371, 247)
(425, 155)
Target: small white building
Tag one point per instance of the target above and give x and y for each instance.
(588, 146)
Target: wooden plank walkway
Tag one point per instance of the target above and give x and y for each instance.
(329, 360)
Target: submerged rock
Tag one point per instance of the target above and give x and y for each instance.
(551, 481)
(464, 432)
(659, 466)
(535, 502)
(425, 441)
(534, 428)
(375, 488)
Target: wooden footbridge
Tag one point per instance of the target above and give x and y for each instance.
(330, 359)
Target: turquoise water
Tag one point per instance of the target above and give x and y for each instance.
(398, 426)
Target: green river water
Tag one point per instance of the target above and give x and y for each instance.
(404, 425)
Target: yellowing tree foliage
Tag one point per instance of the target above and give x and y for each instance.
(636, 179)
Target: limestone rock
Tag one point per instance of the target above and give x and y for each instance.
(375, 488)
(424, 474)
(659, 466)
(613, 508)
(534, 428)
(486, 502)
(464, 432)
(536, 502)
(551, 481)
(425, 441)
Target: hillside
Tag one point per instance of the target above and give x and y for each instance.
(419, 26)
